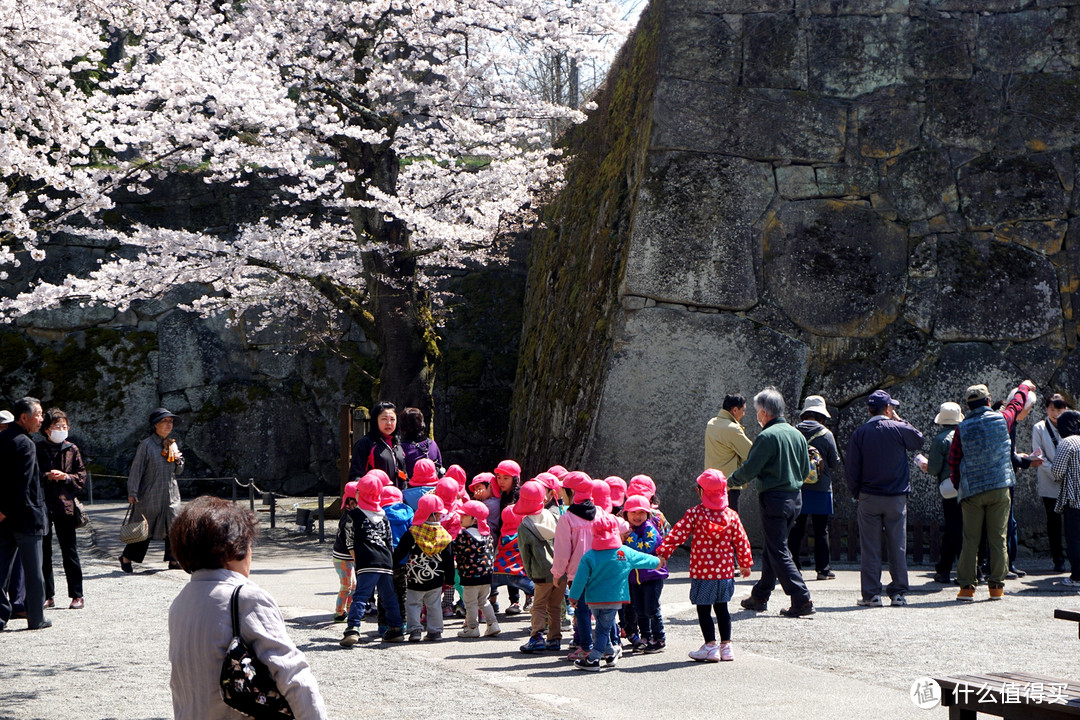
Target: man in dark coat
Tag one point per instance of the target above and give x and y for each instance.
(23, 518)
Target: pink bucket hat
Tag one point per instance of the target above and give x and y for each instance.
(713, 486)
(637, 502)
(581, 484)
(508, 467)
(368, 492)
(605, 533)
(458, 473)
(558, 471)
(447, 490)
(601, 495)
(383, 477)
(390, 496)
(530, 499)
(427, 506)
(350, 492)
(548, 480)
(482, 479)
(618, 489)
(478, 510)
(423, 473)
(511, 521)
(641, 485)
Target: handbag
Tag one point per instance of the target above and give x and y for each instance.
(246, 683)
(79, 513)
(133, 531)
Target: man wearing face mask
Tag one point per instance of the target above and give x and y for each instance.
(63, 474)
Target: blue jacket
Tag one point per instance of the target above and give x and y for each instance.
(411, 495)
(603, 575)
(987, 460)
(876, 462)
(400, 516)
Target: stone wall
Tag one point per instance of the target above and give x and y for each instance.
(833, 197)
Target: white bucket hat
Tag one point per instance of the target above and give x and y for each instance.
(949, 414)
(816, 404)
(6, 417)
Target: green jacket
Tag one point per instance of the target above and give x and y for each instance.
(779, 459)
(535, 541)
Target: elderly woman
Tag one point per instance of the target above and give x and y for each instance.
(212, 539)
(1066, 470)
(63, 475)
(152, 488)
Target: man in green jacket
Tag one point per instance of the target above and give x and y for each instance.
(779, 460)
(726, 444)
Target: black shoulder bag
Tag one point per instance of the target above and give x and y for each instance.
(246, 683)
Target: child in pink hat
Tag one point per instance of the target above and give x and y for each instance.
(618, 492)
(601, 496)
(536, 537)
(400, 517)
(644, 485)
(507, 568)
(422, 482)
(573, 537)
(429, 561)
(472, 555)
(645, 625)
(602, 583)
(448, 489)
(343, 564)
(717, 537)
(504, 493)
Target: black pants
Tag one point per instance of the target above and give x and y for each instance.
(69, 553)
(952, 535)
(778, 512)
(135, 552)
(820, 525)
(723, 619)
(1053, 530)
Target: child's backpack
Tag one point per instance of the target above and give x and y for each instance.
(817, 460)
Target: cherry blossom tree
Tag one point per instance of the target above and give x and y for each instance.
(405, 121)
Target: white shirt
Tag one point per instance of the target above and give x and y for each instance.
(1045, 483)
(200, 630)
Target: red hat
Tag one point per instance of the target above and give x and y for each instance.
(508, 467)
(637, 502)
(530, 499)
(601, 495)
(605, 533)
(383, 477)
(558, 471)
(511, 521)
(458, 473)
(423, 474)
(350, 492)
(482, 479)
(427, 506)
(478, 510)
(641, 485)
(713, 486)
(447, 490)
(548, 480)
(618, 489)
(390, 496)
(368, 492)
(581, 484)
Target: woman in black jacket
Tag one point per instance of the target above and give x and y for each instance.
(380, 449)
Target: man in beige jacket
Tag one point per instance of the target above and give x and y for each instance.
(726, 444)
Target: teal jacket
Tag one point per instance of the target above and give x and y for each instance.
(603, 575)
(779, 459)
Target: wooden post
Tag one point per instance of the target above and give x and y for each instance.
(251, 493)
(273, 510)
(322, 520)
(345, 435)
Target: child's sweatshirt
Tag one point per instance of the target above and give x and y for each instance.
(573, 536)
(429, 561)
(717, 537)
(368, 534)
(602, 575)
(400, 516)
(646, 538)
(341, 545)
(473, 557)
(536, 540)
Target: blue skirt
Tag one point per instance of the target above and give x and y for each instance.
(815, 502)
(710, 592)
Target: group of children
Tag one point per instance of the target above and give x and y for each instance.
(593, 549)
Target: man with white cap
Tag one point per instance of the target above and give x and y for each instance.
(817, 497)
(879, 479)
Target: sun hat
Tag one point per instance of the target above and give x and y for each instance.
(427, 506)
(713, 486)
(369, 492)
(949, 413)
(530, 499)
(558, 471)
(481, 479)
(156, 415)
(390, 496)
(618, 489)
(508, 467)
(511, 521)
(350, 492)
(605, 533)
(601, 495)
(458, 473)
(581, 484)
(447, 490)
(478, 510)
(977, 392)
(815, 404)
(423, 474)
(637, 502)
(6, 417)
(641, 485)
(548, 480)
(383, 477)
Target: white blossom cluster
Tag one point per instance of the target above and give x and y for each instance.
(99, 97)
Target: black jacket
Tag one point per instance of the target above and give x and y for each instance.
(22, 499)
(371, 453)
(372, 542)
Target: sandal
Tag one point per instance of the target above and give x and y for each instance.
(125, 565)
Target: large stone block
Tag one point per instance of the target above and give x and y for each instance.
(988, 290)
(774, 52)
(963, 113)
(997, 190)
(835, 268)
(939, 47)
(1015, 42)
(693, 239)
(702, 47)
(850, 56)
(194, 352)
(921, 185)
(1046, 109)
(1043, 237)
(890, 121)
(667, 358)
(752, 123)
(852, 7)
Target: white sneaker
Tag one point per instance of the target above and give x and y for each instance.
(492, 630)
(899, 600)
(706, 653)
(469, 632)
(874, 601)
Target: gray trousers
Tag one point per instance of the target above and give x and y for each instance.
(888, 513)
(432, 600)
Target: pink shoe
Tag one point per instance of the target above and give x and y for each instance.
(726, 654)
(578, 654)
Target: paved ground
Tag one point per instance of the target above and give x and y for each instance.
(110, 660)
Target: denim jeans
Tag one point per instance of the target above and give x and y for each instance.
(645, 599)
(366, 584)
(583, 625)
(605, 627)
(514, 581)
